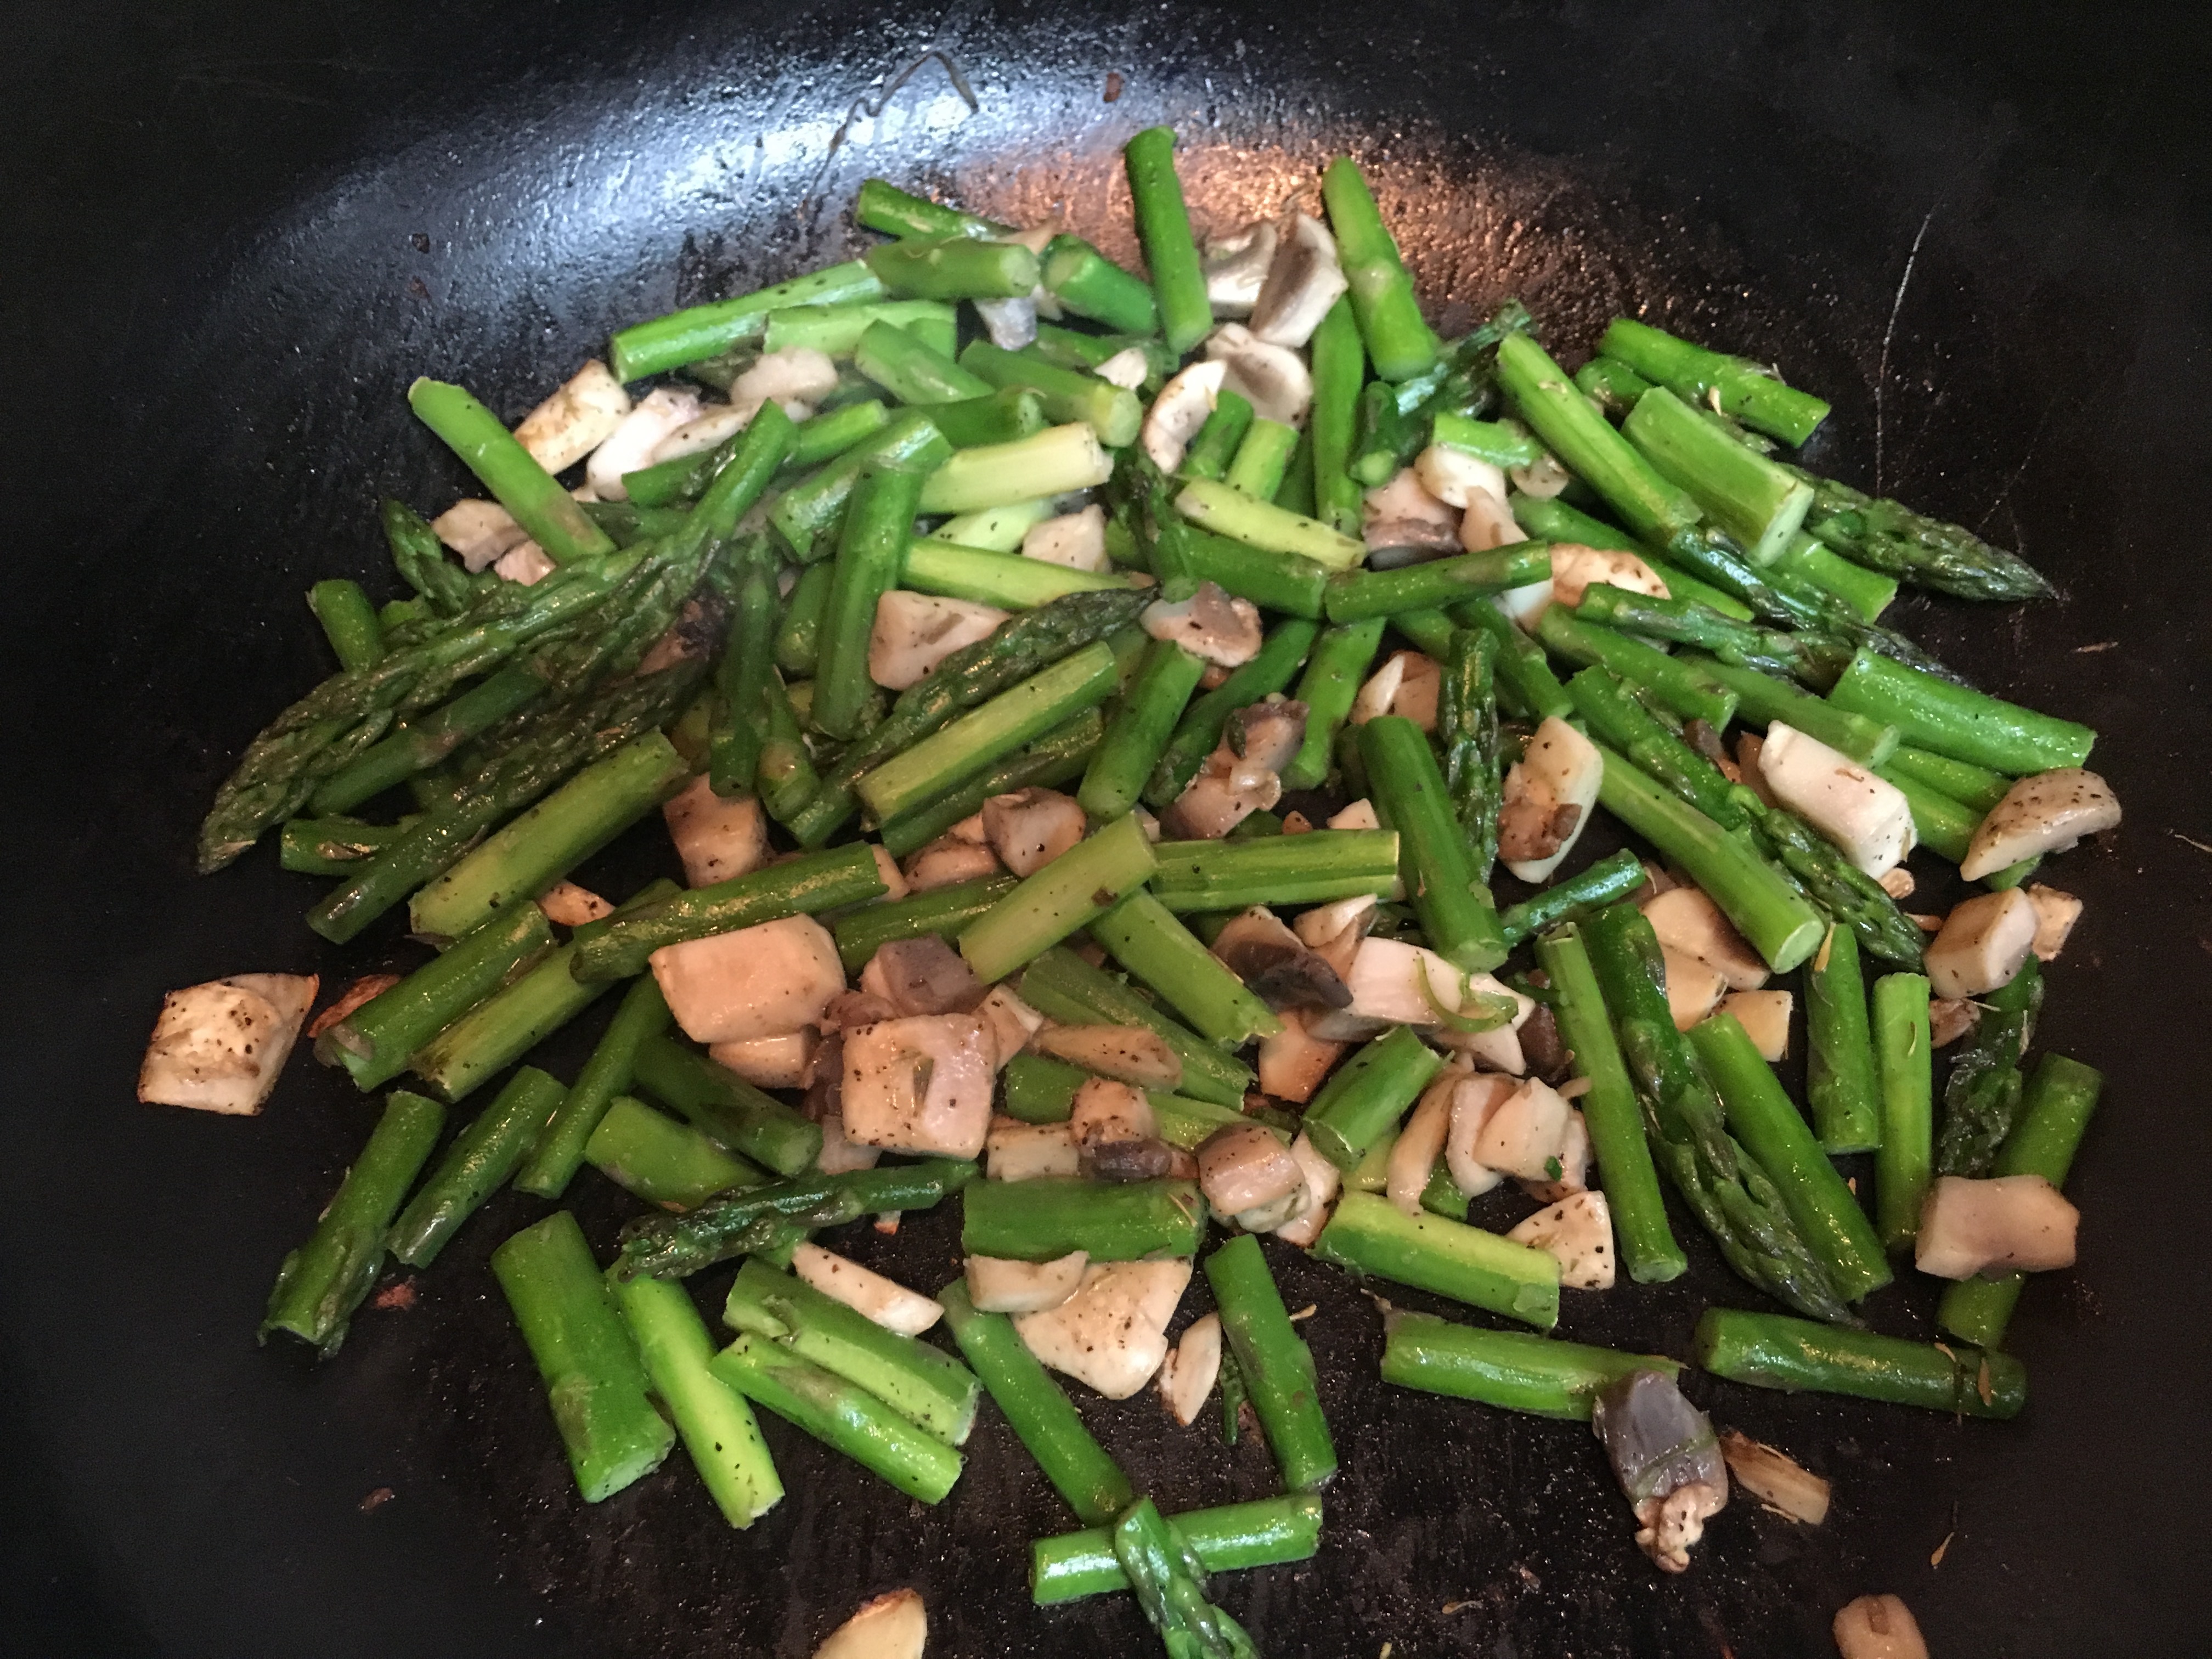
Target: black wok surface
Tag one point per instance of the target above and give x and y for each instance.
(236, 231)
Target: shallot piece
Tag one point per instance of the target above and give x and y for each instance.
(1245, 1170)
(1879, 1627)
(1775, 1478)
(1209, 624)
(1323, 1180)
(893, 1627)
(1187, 1375)
(1668, 1460)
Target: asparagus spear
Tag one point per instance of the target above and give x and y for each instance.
(800, 886)
(1227, 511)
(1510, 1368)
(425, 741)
(1215, 445)
(1355, 596)
(1339, 363)
(1038, 1409)
(1329, 686)
(1840, 888)
(738, 1223)
(870, 548)
(1088, 283)
(686, 337)
(739, 719)
(420, 558)
(1905, 1058)
(805, 514)
(1762, 699)
(323, 1281)
(662, 1161)
(1619, 719)
(564, 1141)
(1606, 882)
(954, 267)
(1171, 1586)
(1886, 536)
(718, 1427)
(348, 622)
(1868, 593)
(481, 1156)
(1435, 862)
(1146, 938)
(1770, 1350)
(842, 1415)
(1466, 727)
(1276, 1366)
(1005, 580)
(1841, 1082)
(594, 1377)
(1070, 394)
(1956, 722)
(725, 1107)
(1141, 729)
(835, 330)
(1399, 343)
(1163, 226)
(1975, 788)
(1287, 582)
(1501, 443)
(525, 489)
(1051, 1216)
(1056, 758)
(1265, 1532)
(911, 371)
(1755, 501)
(1061, 986)
(1807, 658)
(943, 911)
(881, 205)
(331, 846)
(786, 777)
(1735, 386)
(1675, 682)
(1554, 519)
(1363, 1101)
(1982, 1098)
(1209, 877)
(1262, 458)
(1369, 1234)
(1051, 462)
(1200, 729)
(1525, 679)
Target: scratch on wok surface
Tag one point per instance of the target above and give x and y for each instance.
(1882, 371)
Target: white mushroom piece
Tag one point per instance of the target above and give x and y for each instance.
(759, 981)
(1694, 989)
(2006, 1223)
(1013, 1021)
(1235, 267)
(1031, 827)
(893, 1627)
(1248, 1175)
(1125, 368)
(221, 1047)
(770, 1063)
(798, 378)
(1272, 378)
(1550, 793)
(997, 1284)
(2045, 813)
(716, 836)
(1075, 540)
(920, 1085)
(1690, 924)
(629, 446)
(1764, 1017)
(1867, 817)
(1243, 774)
(1575, 568)
(1128, 1053)
(1303, 281)
(1293, 1062)
(1474, 1096)
(1982, 944)
(479, 532)
(1115, 1134)
(1278, 967)
(1409, 684)
(1207, 622)
(2056, 913)
(526, 563)
(1014, 1150)
(1668, 1460)
(923, 975)
(1420, 1143)
(885, 1302)
(575, 420)
(914, 632)
(1324, 1181)
(1878, 1627)
(1112, 1333)
(1526, 1134)
(1455, 478)
(1178, 412)
(1187, 1375)
(1578, 1232)
(949, 861)
(1404, 513)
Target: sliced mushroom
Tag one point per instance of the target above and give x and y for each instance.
(1409, 684)
(893, 1627)
(1031, 827)
(1187, 1375)
(1878, 1627)
(629, 446)
(998, 1285)
(1749, 747)
(2056, 913)
(1574, 1164)
(1359, 815)
(1866, 817)
(1547, 1053)
(1575, 568)
(1179, 411)
(1474, 1097)
(927, 975)
(763, 981)
(717, 837)
(948, 862)
(479, 532)
(1542, 478)
(1668, 1460)
(1267, 734)
(567, 905)
(1129, 1054)
(575, 420)
(1404, 513)
(1149, 1159)
(1690, 923)
(1982, 944)
(1208, 624)
(1694, 988)
(1764, 1017)
(840, 1156)
(1950, 1018)
(1272, 378)
(221, 1047)
(797, 376)
(770, 1063)
(1247, 1166)
(1323, 1180)
(1577, 1231)
(869, 1005)
(1486, 523)
(1226, 792)
(914, 632)
(1075, 540)
(1014, 1150)
(922, 1085)
(1453, 476)
(2045, 813)
(2009, 1223)
(1498, 1049)
(1550, 794)
(1303, 283)
(1281, 971)
(1127, 368)
(1777, 1480)
(1013, 1021)
(1235, 267)
(1391, 983)
(1112, 1333)
(1525, 1133)
(1420, 1143)
(526, 564)
(885, 1302)
(1293, 1062)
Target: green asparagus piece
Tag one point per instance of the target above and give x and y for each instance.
(424, 742)
(1771, 1351)
(420, 558)
(1220, 507)
(1841, 1082)
(800, 886)
(1138, 734)
(1467, 728)
(481, 1156)
(1070, 394)
(1513, 1370)
(1146, 939)
(799, 636)
(1057, 758)
(1610, 1112)
(1061, 986)
(323, 1281)
(1354, 596)
(1891, 537)
(1838, 887)
(2061, 1097)
(686, 337)
(1755, 501)
(1868, 593)
(1525, 680)
(881, 205)
(1734, 386)
(787, 780)
(910, 371)
(1340, 364)
(1209, 877)
(738, 721)
(1619, 719)
(738, 1223)
(842, 1415)
(1976, 788)
(1435, 862)
(1170, 1587)
(1265, 1532)
(1364, 1099)
(1051, 462)
(1368, 1235)
(995, 529)
(725, 1107)
(993, 417)
(1005, 580)
(1328, 687)
(1653, 509)
(1088, 283)
(1163, 226)
(662, 1161)
(1677, 684)
(1050, 1216)
(1071, 349)
(806, 513)
(1038, 1410)
(1075, 890)
(331, 846)
(835, 330)
(1262, 460)
(1399, 343)
(1982, 1098)
(1905, 1058)
(1807, 658)
(1276, 1366)
(348, 622)
(943, 911)
(1761, 699)
(1502, 443)
(525, 489)
(1612, 385)
(1608, 881)
(1958, 722)
(1941, 825)
(717, 1426)
(956, 267)
(1199, 729)
(1215, 446)
(1555, 521)
(871, 549)
(593, 1375)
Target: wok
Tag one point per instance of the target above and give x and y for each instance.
(238, 229)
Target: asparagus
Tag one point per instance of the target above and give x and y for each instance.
(928, 1388)
(1005, 580)
(1050, 1216)
(1227, 511)
(1058, 757)
(1617, 718)
(725, 1107)
(1070, 394)
(805, 514)
(1764, 699)
(1653, 509)
(1771, 1351)
(1513, 1370)
(1755, 501)
(424, 742)
(994, 529)
(954, 267)
(1088, 283)
(1734, 386)
(593, 1376)
(1071, 349)
(686, 337)
(1061, 986)
(1904, 1058)
(870, 549)
(1368, 1235)
(942, 911)
(786, 777)
(1328, 687)
(1354, 597)
(912, 372)
(1499, 442)
(835, 330)
(1215, 446)
(1763, 906)
(881, 205)
(374, 1041)
(1676, 683)
(660, 1160)
(1612, 385)
(348, 622)
(1868, 593)
(1808, 658)
(481, 1156)
(1205, 877)
(1265, 1532)
(1200, 729)
(420, 558)
(552, 838)
(1840, 888)
(1525, 681)
(332, 846)
(1339, 363)
(1363, 1101)
(718, 1427)
(1606, 882)
(1262, 460)
(1732, 1196)
(525, 489)
(1276, 1366)
(1941, 825)
(738, 724)
(1610, 1112)
(1038, 1410)
(322, 1282)
(1466, 727)
(1956, 722)
(1163, 226)
(1888, 536)
(799, 636)
(2061, 1097)
(1144, 938)
(1051, 462)
(1769, 1125)
(1982, 1097)
(738, 1223)
(1399, 343)
(1554, 519)
(1435, 861)
(1138, 734)
(1170, 1587)
(842, 1415)
(800, 886)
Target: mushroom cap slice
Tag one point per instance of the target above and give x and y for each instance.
(2045, 813)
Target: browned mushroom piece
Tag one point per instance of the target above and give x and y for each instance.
(1541, 1046)
(1267, 734)
(1529, 829)
(1950, 1018)
(927, 975)
(1281, 971)
(1244, 1168)
(1209, 624)
(1302, 284)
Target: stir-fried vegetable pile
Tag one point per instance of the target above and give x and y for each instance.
(1090, 752)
